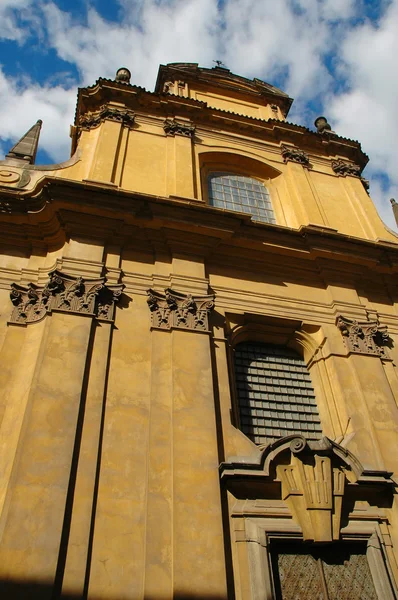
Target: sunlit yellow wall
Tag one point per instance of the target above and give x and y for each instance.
(146, 518)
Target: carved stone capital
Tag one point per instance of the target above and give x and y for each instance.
(294, 154)
(30, 304)
(91, 120)
(174, 310)
(340, 167)
(173, 127)
(364, 337)
(64, 293)
(108, 296)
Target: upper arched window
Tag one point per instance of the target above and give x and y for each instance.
(241, 194)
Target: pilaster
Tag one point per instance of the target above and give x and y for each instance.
(159, 510)
(77, 558)
(304, 197)
(106, 153)
(180, 157)
(32, 533)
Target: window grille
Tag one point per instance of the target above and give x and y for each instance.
(275, 393)
(333, 572)
(241, 194)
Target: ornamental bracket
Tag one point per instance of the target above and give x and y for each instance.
(172, 127)
(340, 167)
(93, 119)
(294, 154)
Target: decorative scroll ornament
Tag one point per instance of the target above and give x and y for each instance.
(294, 154)
(173, 127)
(91, 120)
(64, 293)
(7, 176)
(174, 310)
(340, 167)
(364, 337)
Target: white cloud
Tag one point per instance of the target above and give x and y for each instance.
(368, 110)
(253, 38)
(10, 11)
(176, 31)
(336, 10)
(268, 39)
(21, 107)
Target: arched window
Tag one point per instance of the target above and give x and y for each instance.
(241, 194)
(274, 392)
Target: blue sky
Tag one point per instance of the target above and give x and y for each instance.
(335, 57)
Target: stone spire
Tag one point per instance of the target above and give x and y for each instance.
(26, 148)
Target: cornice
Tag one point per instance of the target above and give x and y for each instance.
(59, 207)
(222, 78)
(138, 99)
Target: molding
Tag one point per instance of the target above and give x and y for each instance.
(258, 534)
(175, 310)
(294, 154)
(55, 208)
(6, 207)
(91, 120)
(364, 337)
(173, 127)
(343, 168)
(262, 463)
(91, 98)
(64, 293)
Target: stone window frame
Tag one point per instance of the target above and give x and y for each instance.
(269, 209)
(260, 532)
(268, 330)
(317, 492)
(239, 164)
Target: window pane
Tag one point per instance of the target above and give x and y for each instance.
(347, 574)
(338, 571)
(275, 393)
(299, 577)
(246, 194)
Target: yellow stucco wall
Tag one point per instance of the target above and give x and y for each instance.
(111, 432)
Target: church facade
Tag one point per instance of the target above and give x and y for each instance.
(198, 341)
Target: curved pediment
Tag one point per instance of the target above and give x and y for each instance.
(222, 78)
(312, 479)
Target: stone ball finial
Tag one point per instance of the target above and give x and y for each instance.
(393, 201)
(322, 125)
(123, 75)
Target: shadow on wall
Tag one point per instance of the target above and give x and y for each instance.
(18, 590)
